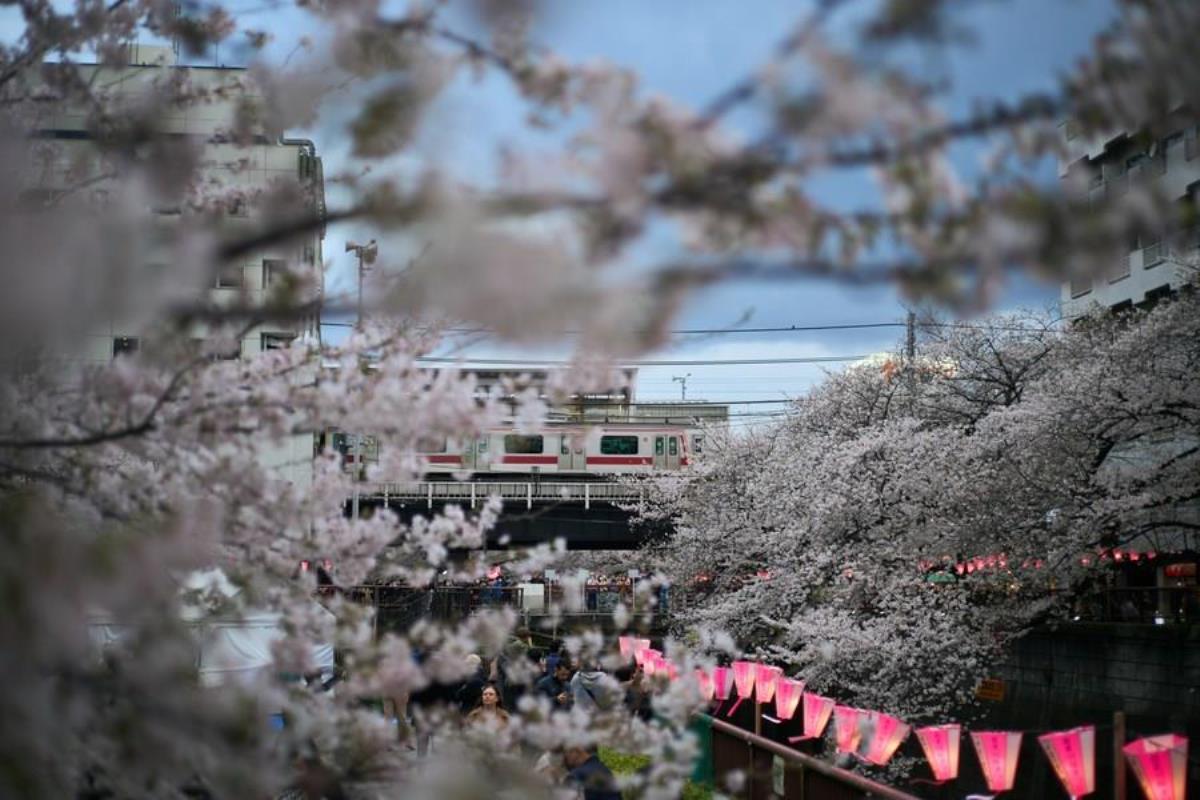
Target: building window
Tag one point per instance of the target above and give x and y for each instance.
(124, 346)
(516, 443)
(1080, 285)
(307, 166)
(619, 445)
(1158, 294)
(1120, 268)
(272, 270)
(276, 341)
(237, 207)
(1153, 254)
(310, 254)
(229, 278)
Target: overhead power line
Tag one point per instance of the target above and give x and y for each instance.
(703, 362)
(774, 329)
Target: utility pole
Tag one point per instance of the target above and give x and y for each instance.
(682, 379)
(910, 341)
(910, 357)
(366, 255)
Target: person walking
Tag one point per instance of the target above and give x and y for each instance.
(556, 685)
(490, 711)
(592, 690)
(589, 774)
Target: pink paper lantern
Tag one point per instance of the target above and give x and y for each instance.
(744, 673)
(650, 659)
(1073, 755)
(887, 734)
(705, 682)
(1160, 764)
(817, 711)
(722, 682)
(765, 679)
(998, 752)
(787, 696)
(846, 730)
(940, 743)
(626, 644)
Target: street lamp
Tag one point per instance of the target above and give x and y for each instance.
(366, 256)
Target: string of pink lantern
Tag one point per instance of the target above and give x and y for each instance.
(1158, 762)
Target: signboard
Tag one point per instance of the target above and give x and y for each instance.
(990, 689)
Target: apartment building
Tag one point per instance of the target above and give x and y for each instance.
(233, 177)
(1108, 166)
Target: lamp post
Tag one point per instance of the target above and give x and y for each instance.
(366, 254)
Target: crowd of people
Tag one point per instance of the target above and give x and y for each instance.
(483, 701)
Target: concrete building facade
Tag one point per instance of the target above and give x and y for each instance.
(1108, 166)
(234, 173)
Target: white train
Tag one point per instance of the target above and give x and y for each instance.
(560, 449)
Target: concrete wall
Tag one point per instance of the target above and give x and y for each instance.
(1081, 673)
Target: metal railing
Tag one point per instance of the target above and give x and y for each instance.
(1164, 605)
(527, 492)
(804, 776)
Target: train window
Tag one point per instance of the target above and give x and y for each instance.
(565, 448)
(618, 445)
(515, 443)
(697, 444)
(483, 445)
(672, 446)
(658, 445)
(432, 445)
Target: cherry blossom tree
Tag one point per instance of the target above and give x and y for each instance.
(119, 480)
(900, 527)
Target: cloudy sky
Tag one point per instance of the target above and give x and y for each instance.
(689, 50)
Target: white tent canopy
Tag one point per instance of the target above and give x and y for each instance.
(229, 650)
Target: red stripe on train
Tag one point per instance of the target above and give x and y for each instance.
(633, 460)
(529, 460)
(452, 459)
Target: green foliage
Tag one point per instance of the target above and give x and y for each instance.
(629, 763)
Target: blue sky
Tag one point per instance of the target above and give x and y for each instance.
(690, 51)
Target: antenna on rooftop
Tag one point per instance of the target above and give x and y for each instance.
(682, 384)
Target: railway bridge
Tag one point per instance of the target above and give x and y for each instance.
(588, 515)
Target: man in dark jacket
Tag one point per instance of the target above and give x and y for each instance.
(588, 773)
(556, 685)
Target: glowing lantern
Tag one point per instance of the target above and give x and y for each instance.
(743, 677)
(845, 728)
(765, 678)
(643, 654)
(940, 743)
(1160, 764)
(744, 673)
(626, 643)
(887, 733)
(722, 682)
(1073, 755)
(816, 716)
(998, 752)
(705, 682)
(649, 661)
(787, 696)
